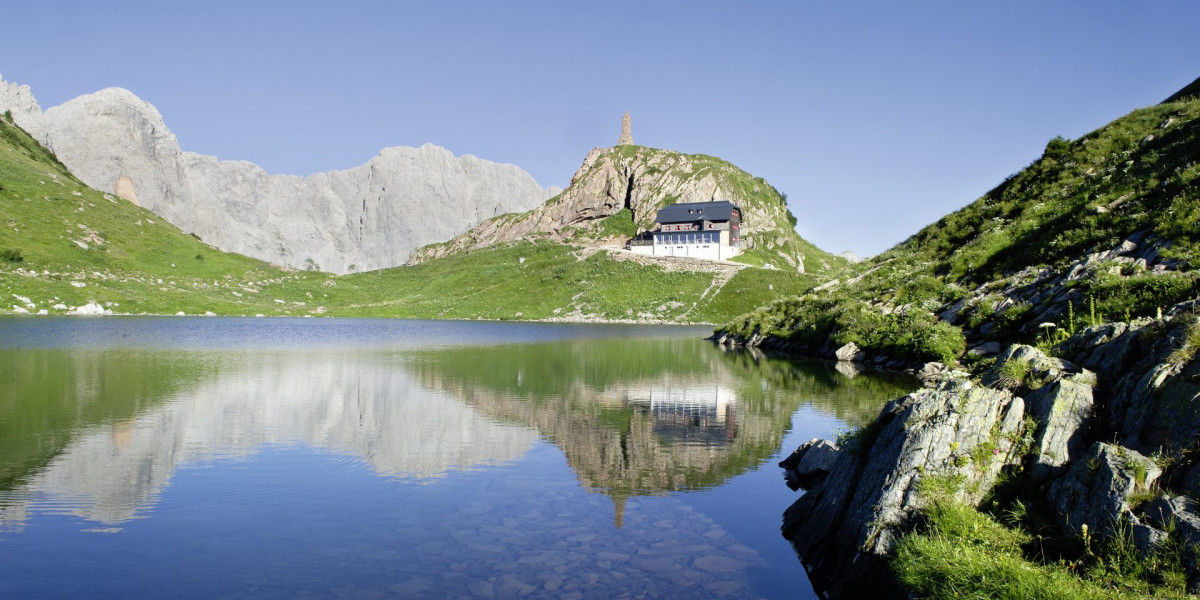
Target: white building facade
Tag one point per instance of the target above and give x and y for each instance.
(706, 230)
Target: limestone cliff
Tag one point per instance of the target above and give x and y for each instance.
(369, 217)
(643, 180)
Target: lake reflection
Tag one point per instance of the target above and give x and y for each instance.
(566, 466)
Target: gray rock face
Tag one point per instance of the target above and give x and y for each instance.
(1152, 398)
(26, 112)
(1095, 491)
(1180, 514)
(1060, 400)
(1063, 411)
(958, 433)
(810, 462)
(1042, 369)
(369, 217)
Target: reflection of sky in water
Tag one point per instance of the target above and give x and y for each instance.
(346, 473)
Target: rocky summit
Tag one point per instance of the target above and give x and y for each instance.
(369, 217)
(634, 182)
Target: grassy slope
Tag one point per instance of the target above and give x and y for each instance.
(136, 263)
(1137, 174)
(44, 210)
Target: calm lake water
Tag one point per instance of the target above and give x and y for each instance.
(332, 458)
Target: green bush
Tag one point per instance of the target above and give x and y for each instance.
(915, 334)
(1058, 149)
(1140, 295)
(11, 255)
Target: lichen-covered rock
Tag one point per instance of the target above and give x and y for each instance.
(1179, 514)
(1147, 540)
(1095, 490)
(1063, 411)
(959, 435)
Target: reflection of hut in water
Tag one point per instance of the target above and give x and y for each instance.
(690, 415)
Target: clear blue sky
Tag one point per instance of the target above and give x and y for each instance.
(875, 118)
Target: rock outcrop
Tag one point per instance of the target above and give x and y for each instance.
(1152, 389)
(360, 219)
(1048, 419)
(959, 436)
(18, 100)
(1094, 494)
(642, 180)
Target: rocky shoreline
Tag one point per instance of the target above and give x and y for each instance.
(1106, 438)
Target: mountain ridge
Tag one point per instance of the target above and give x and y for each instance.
(358, 219)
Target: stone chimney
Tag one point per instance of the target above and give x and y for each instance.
(626, 132)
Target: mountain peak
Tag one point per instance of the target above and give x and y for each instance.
(617, 192)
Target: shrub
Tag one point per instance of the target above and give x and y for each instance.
(1058, 148)
(11, 255)
(915, 334)
(1140, 295)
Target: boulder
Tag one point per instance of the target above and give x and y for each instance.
(810, 463)
(850, 353)
(957, 434)
(91, 308)
(985, 349)
(1147, 540)
(1095, 490)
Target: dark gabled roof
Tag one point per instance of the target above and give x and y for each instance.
(686, 212)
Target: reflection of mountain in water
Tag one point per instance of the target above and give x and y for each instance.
(361, 405)
(644, 416)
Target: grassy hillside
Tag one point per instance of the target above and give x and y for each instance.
(1097, 229)
(63, 245)
(1102, 229)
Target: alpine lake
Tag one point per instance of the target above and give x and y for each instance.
(173, 457)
